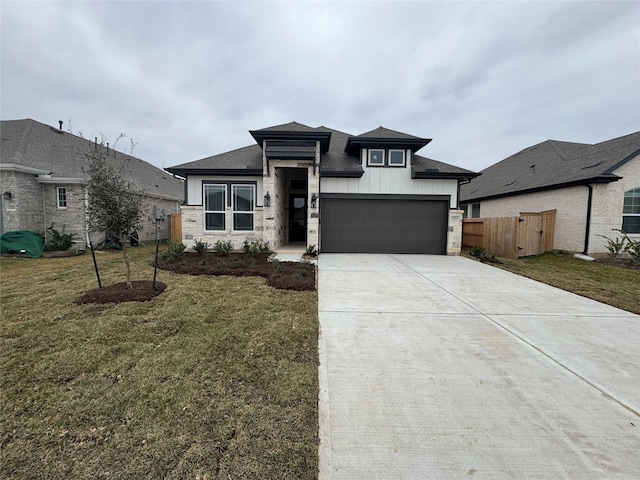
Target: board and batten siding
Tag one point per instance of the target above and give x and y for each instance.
(391, 181)
(194, 186)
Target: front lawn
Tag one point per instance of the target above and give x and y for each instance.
(603, 282)
(216, 377)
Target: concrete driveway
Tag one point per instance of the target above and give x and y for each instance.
(436, 367)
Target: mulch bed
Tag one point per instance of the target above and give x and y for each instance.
(282, 275)
(141, 291)
(619, 262)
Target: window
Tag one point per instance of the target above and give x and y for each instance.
(62, 197)
(243, 204)
(214, 206)
(376, 158)
(475, 210)
(631, 211)
(396, 158)
(465, 210)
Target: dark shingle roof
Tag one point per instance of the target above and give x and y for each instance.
(35, 145)
(245, 160)
(553, 164)
(336, 160)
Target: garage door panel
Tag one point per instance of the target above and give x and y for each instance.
(383, 225)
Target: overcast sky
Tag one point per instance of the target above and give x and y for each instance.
(186, 80)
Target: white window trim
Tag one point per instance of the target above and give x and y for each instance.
(252, 212)
(369, 163)
(66, 201)
(404, 158)
(224, 204)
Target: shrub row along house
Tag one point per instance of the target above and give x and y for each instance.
(326, 189)
(43, 181)
(594, 189)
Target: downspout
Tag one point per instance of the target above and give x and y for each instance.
(588, 225)
(461, 182)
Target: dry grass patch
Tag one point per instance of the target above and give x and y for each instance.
(214, 378)
(605, 283)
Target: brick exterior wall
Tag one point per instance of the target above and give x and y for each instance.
(24, 210)
(571, 206)
(608, 198)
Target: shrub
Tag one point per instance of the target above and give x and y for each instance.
(59, 241)
(223, 246)
(201, 247)
(174, 251)
(257, 246)
(277, 265)
(615, 246)
(311, 250)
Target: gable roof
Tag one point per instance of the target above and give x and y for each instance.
(553, 164)
(340, 153)
(33, 147)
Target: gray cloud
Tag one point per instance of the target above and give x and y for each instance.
(188, 79)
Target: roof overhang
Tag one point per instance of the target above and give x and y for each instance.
(50, 179)
(341, 173)
(355, 144)
(16, 167)
(436, 174)
(184, 172)
(546, 188)
(323, 137)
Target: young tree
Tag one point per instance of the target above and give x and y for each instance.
(115, 206)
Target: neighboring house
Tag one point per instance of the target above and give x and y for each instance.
(42, 181)
(324, 188)
(593, 188)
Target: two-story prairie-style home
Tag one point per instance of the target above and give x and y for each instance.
(324, 188)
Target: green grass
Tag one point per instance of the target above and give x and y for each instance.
(609, 284)
(214, 378)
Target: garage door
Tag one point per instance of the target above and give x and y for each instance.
(383, 224)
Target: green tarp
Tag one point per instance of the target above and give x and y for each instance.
(22, 241)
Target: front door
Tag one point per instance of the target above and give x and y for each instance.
(297, 217)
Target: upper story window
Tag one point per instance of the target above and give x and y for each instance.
(380, 157)
(214, 206)
(243, 199)
(376, 158)
(396, 158)
(631, 211)
(61, 195)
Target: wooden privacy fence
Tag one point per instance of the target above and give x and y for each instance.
(175, 227)
(511, 237)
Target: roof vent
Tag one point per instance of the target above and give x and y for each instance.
(60, 122)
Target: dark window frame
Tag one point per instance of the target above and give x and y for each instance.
(214, 212)
(631, 210)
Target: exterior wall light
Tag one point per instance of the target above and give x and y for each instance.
(314, 199)
(267, 199)
(6, 195)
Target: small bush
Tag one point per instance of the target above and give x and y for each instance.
(222, 246)
(201, 247)
(615, 246)
(59, 241)
(311, 250)
(255, 247)
(277, 265)
(300, 275)
(173, 252)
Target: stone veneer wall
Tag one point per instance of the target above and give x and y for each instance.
(193, 228)
(454, 233)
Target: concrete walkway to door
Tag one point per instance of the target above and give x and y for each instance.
(435, 367)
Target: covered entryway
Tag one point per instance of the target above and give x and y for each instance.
(383, 223)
